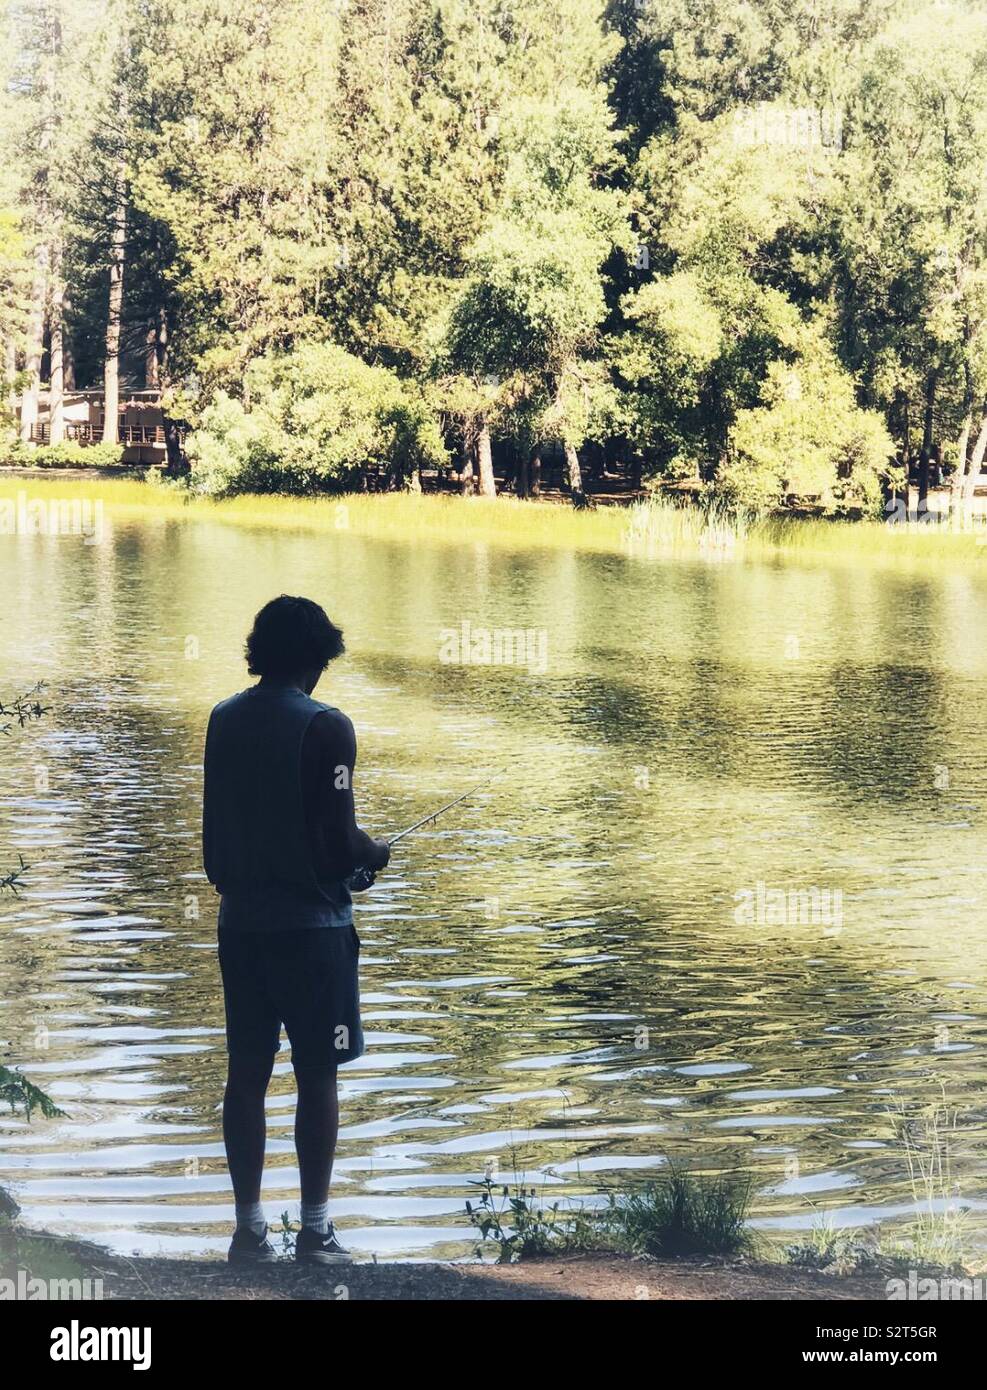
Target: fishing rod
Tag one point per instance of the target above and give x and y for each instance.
(362, 878)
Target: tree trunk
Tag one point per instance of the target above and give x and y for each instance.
(522, 475)
(925, 457)
(976, 463)
(68, 360)
(35, 348)
(56, 408)
(574, 474)
(962, 449)
(114, 318)
(466, 477)
(177, 462)
(484, 454)
(534, 469)
(152, 376)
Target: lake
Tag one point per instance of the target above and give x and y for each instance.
(724, 906)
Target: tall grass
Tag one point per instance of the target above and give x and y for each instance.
(877, 542)
(684, 1214)
(398, 515)
(938, 1233)
(681, 1214)
(655, 529)
(935, 1238)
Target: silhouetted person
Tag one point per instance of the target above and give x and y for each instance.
(279, 841)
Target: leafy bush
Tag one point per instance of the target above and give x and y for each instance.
(69, 454)
(517, 1222)
(808, 438)
(16, 1091)
(684, 1214)
(311, 421)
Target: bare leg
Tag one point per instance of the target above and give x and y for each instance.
(244, 1127)
(316, 1128)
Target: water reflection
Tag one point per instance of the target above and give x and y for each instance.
(557, 976)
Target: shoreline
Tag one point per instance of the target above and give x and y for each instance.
(589, 1277)
(653, 531)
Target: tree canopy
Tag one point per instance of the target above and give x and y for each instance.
(734, 245)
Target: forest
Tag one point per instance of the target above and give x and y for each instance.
(736, 247)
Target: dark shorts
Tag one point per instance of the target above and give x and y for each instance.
(305, 979)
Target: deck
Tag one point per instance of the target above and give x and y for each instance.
(85, 433)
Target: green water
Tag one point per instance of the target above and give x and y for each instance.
(560, 971)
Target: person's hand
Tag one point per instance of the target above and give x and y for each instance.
(383, 854)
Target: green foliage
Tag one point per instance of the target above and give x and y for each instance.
(684, 1214)
(910, 215)
(516, 1221)
(530, 307)
(14, 281)
(808, 439)
(15, 1089)
(546, 220)
(311, 421)
(22, 709)
(69, 454)
(674, 337)
(937, 1236)
(17, 1092)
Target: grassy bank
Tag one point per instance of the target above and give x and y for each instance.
(586, 1278)
(684, 1236)
(73, 1269)
(76, 1269)
(654, 530)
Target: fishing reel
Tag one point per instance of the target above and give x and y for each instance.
(361, 879)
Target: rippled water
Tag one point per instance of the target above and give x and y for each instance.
(557, 971)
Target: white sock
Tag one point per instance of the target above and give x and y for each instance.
(250, 1216)
(315, 1216)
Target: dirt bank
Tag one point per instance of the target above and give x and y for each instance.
(591, 1277)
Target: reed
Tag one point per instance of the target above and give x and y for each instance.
(656, 529)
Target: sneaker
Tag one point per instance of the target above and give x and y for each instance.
(315, 1248)
(246, 1248)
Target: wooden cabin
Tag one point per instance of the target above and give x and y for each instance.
(140, 427)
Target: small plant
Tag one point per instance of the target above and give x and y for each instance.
(288, 1230)
(684, 1214)
(935, 1239)
(937, 1235)
(514, 1218)
(659, 527)
(831, 1249)
(15, 1088)
(22, 709)
(17, 1091)
(10, 881)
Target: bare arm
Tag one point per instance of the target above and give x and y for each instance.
(341, 846)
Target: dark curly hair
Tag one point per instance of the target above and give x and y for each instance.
(291, 635)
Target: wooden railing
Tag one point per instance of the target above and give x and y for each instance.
(84, 433)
